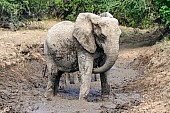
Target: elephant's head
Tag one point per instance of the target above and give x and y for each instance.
(92, 30)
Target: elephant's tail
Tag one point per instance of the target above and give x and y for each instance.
(44, 70)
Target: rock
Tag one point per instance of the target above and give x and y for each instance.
(25, 51)
(8, 63)
(7, 110)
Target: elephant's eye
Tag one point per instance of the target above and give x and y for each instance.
(103, 36)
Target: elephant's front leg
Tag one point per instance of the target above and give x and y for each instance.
(85, 61)
(104, 85)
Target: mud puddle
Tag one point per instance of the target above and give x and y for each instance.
(67, 99)
(33, 101)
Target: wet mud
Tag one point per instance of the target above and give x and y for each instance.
(22, 87)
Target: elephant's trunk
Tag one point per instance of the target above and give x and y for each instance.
(110, 61)
(111, 56)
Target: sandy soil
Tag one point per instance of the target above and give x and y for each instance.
(139, 80)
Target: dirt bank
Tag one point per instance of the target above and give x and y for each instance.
(156, 80)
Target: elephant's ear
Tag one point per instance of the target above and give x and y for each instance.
(83, 31)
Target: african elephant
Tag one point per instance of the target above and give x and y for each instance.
(90, 45)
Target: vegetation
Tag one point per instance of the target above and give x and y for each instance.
(12, 12)
(134, 13)
(164, 11)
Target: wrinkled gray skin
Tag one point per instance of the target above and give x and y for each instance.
(90, 45)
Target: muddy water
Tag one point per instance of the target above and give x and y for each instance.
(67, 99)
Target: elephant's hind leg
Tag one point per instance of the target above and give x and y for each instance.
(57, 81)
(53, 77)
(67, 77)
(76, 77)
(50, 91)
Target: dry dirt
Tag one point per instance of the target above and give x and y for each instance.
(140, 79)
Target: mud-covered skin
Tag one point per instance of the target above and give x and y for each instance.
(90, 45)
(61, 54)
(63, 48)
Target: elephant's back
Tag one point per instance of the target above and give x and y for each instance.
(61, 30)
(60, 35)
(62, 46)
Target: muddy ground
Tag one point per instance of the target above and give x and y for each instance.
(140, 79)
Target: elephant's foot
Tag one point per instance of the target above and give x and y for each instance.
(83, 97)
(84, 90)
(105, 90)
(105, 93)
(50, 91)
(105, 97)
(49, 94)
(83, 93)
(108, 96)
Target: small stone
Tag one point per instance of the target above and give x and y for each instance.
(18, 44)
(25, 51)
(8, 63)
(36, 107)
